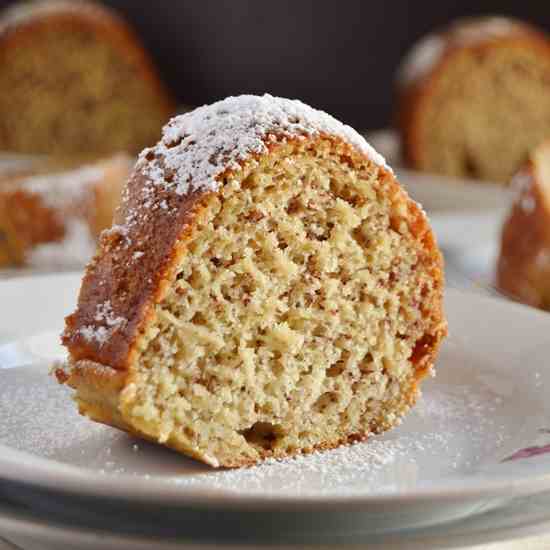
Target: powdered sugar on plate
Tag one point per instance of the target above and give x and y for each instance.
(453, 430)
(390, 462)
(37, 417)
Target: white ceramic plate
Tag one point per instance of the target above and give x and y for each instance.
(438, 193)
(467, 232)
(471, 244)
(449, 459)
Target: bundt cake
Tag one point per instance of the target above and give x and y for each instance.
(523, 269)
(75, 80)
(52, 219)
(267, 289)
(474, 99)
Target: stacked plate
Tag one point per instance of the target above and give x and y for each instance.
(470, 464)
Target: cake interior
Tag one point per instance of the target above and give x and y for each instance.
(298, 317)
(487, 109)
(64, 89)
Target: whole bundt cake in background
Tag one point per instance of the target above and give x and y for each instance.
(523, 269)
(474, 99)
(76, 80)
(267, 289)
(51, 218)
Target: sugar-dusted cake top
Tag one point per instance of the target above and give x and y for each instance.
(197, 147)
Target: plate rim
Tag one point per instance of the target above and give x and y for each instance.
(28, 523)
(39, 472)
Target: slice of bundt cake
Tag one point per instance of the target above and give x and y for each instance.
(52, 219)
(474, 99)
(523, 269)
(268, 289)
(75, 80)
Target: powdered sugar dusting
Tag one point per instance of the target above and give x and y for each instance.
(422, 58)
(69, 195)
(35, 417)
(522, 181)
(528, 204)
(522, 185)
(95, 334)
(109, 324)
(200, 146)
(197, 147)
(116, 229)
(104, 314)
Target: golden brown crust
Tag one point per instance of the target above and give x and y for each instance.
(132, 286)
(98, 390)
(415, 93)
(523, 268)
(427, 348)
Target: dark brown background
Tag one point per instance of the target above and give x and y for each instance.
(337, 55)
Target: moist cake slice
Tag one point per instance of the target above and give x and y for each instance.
(267, 289)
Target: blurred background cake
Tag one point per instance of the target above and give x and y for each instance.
(51, 218)
(475, 98)
(76, 80)
(524, 263)
(79, 98)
